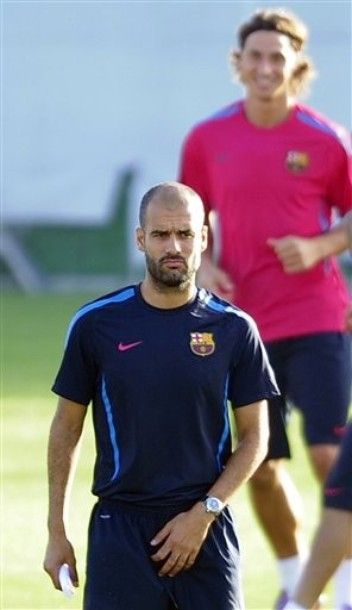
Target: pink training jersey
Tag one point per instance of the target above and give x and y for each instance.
(284, 180)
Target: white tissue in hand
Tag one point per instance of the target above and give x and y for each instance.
(65, 580)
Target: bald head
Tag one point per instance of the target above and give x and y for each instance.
(172, 196)
(172, 236)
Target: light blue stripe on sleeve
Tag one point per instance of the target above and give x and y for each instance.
(226, 429)
(112, 432)
(222, 308)
(308, 119)
(117, 298)
(227, 111)
(215, 305)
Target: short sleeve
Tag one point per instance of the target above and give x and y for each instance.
(76, 378)
(340, 175)
(252, 378)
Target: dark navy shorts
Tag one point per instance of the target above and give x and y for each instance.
(314, 373)
(121, 576)
(338, 487)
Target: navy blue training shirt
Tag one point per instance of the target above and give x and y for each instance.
(160, 381)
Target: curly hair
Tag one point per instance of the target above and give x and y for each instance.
(282, 22)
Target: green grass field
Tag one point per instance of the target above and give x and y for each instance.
(33, 330)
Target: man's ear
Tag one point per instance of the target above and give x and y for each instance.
(235, 57)
(235, 61)
(140, 239)
(204, 237)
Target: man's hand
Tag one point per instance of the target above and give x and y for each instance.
(60, 551)
(296, 253)
(181, 540)
(216, 280)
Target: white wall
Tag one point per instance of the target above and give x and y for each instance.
(90, 87)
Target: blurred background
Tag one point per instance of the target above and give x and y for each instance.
(97, 98)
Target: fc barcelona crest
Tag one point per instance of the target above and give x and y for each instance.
(297, 161)
(202, 344)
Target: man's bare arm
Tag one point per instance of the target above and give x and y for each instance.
(65, 434)
(252, 427)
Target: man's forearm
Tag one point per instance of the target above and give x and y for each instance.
(248, 455)
(65, 434)
(347, 223)
(337, 240)
(62, 449)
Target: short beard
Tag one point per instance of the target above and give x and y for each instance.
(164, 279)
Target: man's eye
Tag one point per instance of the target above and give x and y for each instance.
(277, 59)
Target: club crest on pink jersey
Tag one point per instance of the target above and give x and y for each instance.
(297, 161)
(202, 344)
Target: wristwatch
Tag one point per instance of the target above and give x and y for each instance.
(213, 505)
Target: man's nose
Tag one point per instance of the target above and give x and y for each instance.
(264, 66)
(174, 244)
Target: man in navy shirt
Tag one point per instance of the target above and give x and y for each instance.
(160, 362)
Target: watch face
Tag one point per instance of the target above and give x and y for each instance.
(213, 505)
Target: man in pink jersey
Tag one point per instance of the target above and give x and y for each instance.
(272, 171)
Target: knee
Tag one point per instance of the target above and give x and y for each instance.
(322, 458)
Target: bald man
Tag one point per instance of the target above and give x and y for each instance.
(160, 362)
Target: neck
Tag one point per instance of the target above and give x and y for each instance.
(165, 297)
(268, 113)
